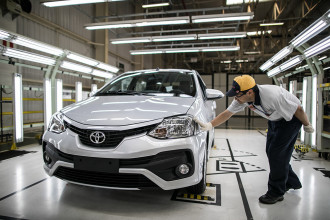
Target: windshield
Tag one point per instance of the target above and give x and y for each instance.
(152, 83)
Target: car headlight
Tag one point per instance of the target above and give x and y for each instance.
(56, 124)
(174, 127)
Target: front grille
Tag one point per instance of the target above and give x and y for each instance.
(112, 138)
(104, 179)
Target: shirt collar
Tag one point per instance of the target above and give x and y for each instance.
(257, 100)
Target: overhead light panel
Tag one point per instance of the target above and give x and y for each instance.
(272, 24)
(222, 17)
(156, 5)
(76, 67)
(102, 74)
(239, 2)
(253, 33)
(185, 50)
(291, 63)
(73, 2)
(280, 55)
(274, 71)
(139, 23)
(221, 35)
(24, 55)
(91, 62)
(131, 40)
(252, 52)
(319, 25)
(82, 59)
(27, 42)
(174, 38)
(318, 48)
(18, 107)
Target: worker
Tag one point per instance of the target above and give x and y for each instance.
(285, 118)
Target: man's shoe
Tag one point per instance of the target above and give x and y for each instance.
(291, 187)
(266, 199)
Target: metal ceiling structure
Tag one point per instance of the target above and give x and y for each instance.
(295, 15)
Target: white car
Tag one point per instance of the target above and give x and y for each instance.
(137, 131)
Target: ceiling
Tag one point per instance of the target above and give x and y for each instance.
(295, 14)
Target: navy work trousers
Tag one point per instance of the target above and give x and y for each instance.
(281, 138)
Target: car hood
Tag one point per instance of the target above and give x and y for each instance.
(126, 110)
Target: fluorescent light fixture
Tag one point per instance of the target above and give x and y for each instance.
(291, 63)
(252, 52)
(238, 2)
(108, 67)
(326, 68)
(222, 17)
(142, 52)
(322, 58)
(20, 54)
(174, 38)
(227, 68)
(102, 74)
(221, 48)
(93, 87)
(241, 61)
(182, 51)
(78, 91)
(131, 40)
(138, 23)
(304, 104)
(185, 50)
(18, 107)
(272, 24)
(314, 107)
(301, 67)
(266, 65)
(47, 102)
(253, 33)
(73, 2)
(280, 55)
(156, 5)
(76, 67)
(4, 35)
(82, 59)
(221, 35)
(88, 61)
(59, 94)
(318, 48)
(312, 30)
(27, 42)
(273, 72)
(226, 61)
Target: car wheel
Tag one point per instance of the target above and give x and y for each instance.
(200, 187)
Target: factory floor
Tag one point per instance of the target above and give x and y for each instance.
(237, 176)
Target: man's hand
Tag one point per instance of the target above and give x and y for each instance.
(308, 128)
(204, 126)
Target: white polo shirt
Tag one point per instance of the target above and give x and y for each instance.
(271, 102)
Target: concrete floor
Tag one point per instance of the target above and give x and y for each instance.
(238, 169)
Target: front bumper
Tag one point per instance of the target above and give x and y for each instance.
(137, 162)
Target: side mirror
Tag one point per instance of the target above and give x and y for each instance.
(212, 94)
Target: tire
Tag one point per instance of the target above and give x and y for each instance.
(200, 187)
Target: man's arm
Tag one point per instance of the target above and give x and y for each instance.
(301, 115)
(221, 118)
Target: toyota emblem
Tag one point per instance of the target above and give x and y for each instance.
(97, 137)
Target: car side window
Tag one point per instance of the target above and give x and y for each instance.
(203, 86)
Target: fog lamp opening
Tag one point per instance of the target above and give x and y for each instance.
(183, 169)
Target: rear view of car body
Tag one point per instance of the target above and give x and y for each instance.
(130, 141)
